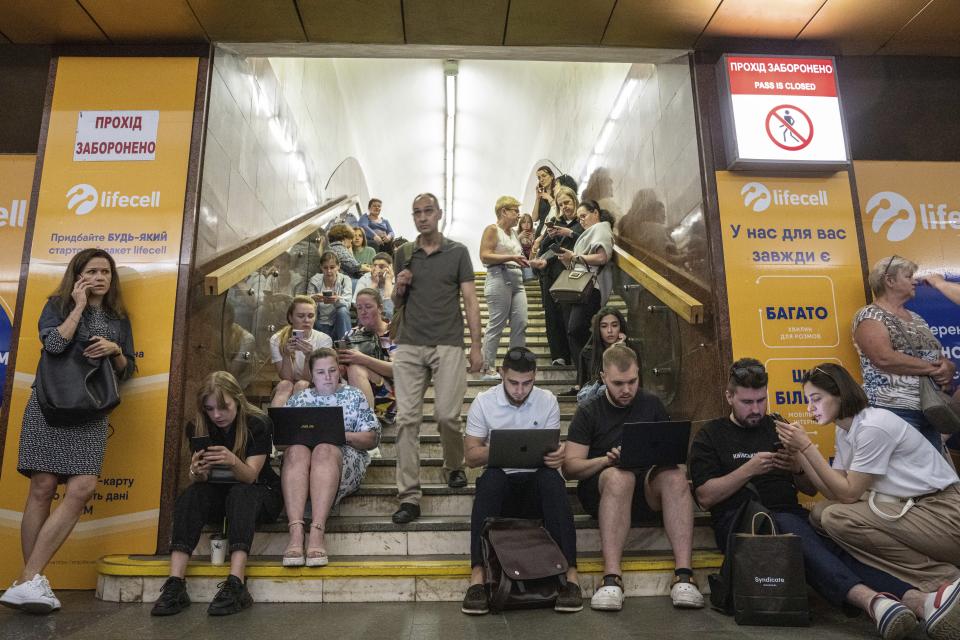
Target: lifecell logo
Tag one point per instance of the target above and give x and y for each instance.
(759, 197)
(84, 198)
(890, 205)
(756, 196)
(81, 198)
(885, 206)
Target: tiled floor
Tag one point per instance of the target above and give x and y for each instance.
(642, 618)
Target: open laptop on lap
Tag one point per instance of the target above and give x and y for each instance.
(648, 444)
(521, 448)
(308, 426)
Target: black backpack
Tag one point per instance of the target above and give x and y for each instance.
(523, 566)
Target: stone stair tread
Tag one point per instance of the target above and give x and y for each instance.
(366, 524)
(446, 566)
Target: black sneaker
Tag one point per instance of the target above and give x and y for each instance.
(572, 391)
(233, 597)
(173, 598)
(475, 602)
(570, 599)
(407, 513)
(457, 479)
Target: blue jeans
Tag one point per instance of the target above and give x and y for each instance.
(340, 326)
(830, 570)
(918, 420)
(507, 302)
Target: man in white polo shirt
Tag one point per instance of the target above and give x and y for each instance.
(516, 403)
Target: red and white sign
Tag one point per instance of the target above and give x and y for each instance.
(785, 109)
(116, 135)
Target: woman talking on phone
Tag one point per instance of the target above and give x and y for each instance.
(290, 347)
(231, 441)
(87, 308)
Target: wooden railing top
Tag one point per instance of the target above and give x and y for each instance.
(682, 303)
(220, 280)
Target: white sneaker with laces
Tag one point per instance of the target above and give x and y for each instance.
(941, 612)
(609, 598)
(686, 595)
(32, 596)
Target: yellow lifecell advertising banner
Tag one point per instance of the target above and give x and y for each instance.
(793, 280)
(114, 176)
(16, 180)
(912, 209)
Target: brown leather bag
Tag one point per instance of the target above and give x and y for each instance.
(523, 566)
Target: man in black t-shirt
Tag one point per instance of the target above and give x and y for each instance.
(617, 496)
(730, 452)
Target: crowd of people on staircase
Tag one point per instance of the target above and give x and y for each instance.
(885, 540)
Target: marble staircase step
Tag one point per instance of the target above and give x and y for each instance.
(369, 579)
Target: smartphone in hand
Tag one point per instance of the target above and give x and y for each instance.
(200, 443)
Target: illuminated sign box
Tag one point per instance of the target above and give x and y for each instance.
(781, 112)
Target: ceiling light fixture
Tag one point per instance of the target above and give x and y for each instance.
(451, 69)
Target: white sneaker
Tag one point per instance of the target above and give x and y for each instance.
(609, 598)
(894, 619)
(491, 375)
(32, 596)
(941, 612)
(686, 595)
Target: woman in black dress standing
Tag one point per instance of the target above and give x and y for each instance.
(86, 304)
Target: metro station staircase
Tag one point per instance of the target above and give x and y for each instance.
(374, 560)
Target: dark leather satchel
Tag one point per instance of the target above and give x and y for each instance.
(73, 389)
(523, 567)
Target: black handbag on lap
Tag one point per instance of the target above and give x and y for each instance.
(73, 389)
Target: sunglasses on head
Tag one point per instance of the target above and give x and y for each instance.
(518, 354)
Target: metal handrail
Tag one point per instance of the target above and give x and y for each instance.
(220, 280)
(682, 303)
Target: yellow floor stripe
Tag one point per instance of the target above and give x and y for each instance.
(122, 565)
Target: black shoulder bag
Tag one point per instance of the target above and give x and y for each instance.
(73, 389)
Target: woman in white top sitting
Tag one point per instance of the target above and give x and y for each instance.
(592, 251)
(502, 254)
(290, 347)
(893, 500)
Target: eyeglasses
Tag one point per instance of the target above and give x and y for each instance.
(741, 372)
(522, 354)
(887, 269)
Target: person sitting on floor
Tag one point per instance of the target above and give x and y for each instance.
(290, 347)
(516, 403)
(617, 496)
(327, 472)
(893, 501)
(368, 358)
(736, 458)
(241, 441)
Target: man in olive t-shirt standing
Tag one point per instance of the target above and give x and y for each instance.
(433, 272)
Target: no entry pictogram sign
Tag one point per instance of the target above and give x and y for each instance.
(789, 127)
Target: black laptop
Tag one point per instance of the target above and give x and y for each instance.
(308, 426)
(646, 444)
(521, 448)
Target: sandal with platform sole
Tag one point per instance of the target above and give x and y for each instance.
(292, 556)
